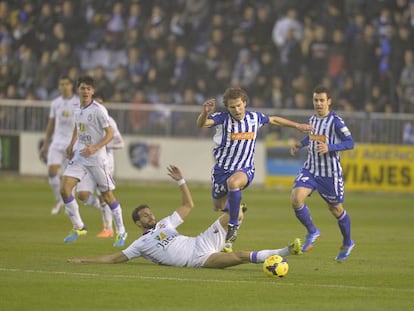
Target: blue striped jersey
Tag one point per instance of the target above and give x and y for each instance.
(234, 140)
(330, 130)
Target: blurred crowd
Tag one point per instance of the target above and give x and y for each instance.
(184, 51)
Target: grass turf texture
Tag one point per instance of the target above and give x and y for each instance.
(34, 273)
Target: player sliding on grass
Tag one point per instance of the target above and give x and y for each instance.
(161, 243)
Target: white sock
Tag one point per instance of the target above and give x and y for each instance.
(117, 216)
(72, 210)
(260, 256)
(106, 216)
(54, 182)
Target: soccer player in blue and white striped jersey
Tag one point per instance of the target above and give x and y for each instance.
(235, 141)
(322, 171)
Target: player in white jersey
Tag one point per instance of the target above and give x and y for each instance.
(322, 171)
(92, 133)
(86, 188)
(161, 243)
(58, 135)
(235, 141)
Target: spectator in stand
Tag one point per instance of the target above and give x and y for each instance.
(363, 62)
(354, 28)
(317, 58)
(44, 23)
(262, 30)
(44, 81)
(207, 71)
(137, 117)
(288, 22)
(159, 71)
(122, 84)
(116, 24)
(182, 76)
(269, 69)
(246, 71)
(74, 23)
(27, 72)
(290, 57)
(64, 57)
(337, 57)
(400, 43)
(138, 66)
(407, 83)
(103, 85)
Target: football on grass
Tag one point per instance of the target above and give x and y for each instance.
(275, 266)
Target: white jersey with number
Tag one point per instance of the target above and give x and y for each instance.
(91, 121)
(164, 245)
(63, 111)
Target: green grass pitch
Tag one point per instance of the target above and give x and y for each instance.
(34, 273)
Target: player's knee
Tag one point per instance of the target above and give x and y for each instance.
(336, 210)
(83, 196)
(296, 201)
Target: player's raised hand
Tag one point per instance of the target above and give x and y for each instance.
(295, 148)
(174, 172)
(209, 105)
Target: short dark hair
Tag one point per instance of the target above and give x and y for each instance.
(234, 93)
(135, 215)
(88, 80)
(322, 89)
(65, 77)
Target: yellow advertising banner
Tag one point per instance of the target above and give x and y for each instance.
(368, 167)
(388, 168)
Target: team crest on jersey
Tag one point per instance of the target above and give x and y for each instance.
(82, 127)
(161, 236)
(143, 154)
(66, 114)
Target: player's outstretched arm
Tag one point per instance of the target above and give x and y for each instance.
(112, 258)
(303, 127)
(187, 200)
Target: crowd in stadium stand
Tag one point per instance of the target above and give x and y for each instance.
(184, 51)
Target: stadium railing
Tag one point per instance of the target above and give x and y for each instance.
(179, 121)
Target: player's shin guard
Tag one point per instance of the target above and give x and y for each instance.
(234, 199)
(304, 216)
(117, 216)
(344, 223)
(72, 210)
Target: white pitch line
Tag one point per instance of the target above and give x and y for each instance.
(156, 278)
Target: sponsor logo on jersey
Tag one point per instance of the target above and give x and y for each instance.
(242, 136)
(317, 137)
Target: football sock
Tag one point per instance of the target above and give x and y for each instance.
(344, 223)
(72, 210)
(106, 216)
(226, 207)
(54, 182)
(260, 256)
(117, 216)
(234, 199)
(304, 216)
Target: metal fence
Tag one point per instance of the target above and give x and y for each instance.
(179, 121)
